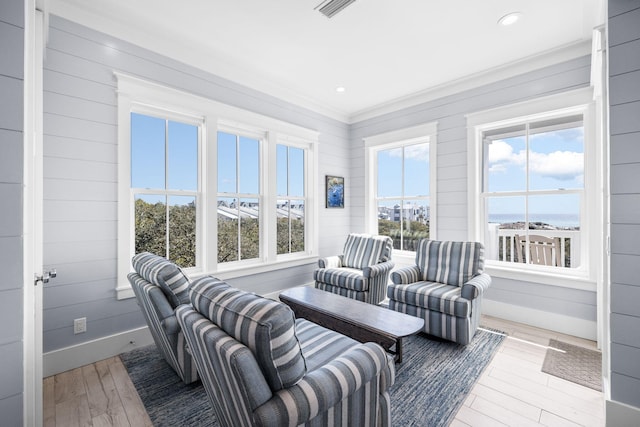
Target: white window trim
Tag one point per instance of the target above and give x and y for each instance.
(135, 94)
(578, 101)
(399, 138)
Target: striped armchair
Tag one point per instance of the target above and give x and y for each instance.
(160, 286)
(260, 366)
(445, 288)
(361, 272)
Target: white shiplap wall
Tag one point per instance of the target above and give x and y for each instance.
(12, 36)
(624, 100)
(81, 171)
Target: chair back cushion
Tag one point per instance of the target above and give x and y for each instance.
(165, 274)
(266, 326)
(363, 250)
(451, 263)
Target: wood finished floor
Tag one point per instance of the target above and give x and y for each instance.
(512, 391)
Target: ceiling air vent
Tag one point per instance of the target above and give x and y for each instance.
(331, 7)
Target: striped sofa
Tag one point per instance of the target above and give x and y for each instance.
(160, 287)
(361, 272)
(260, 366)
(445, 288)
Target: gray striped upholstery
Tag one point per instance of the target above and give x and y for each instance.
(266, 326)
(163, 273)
(445, 288)
(344, 382)
(362, 272)
(164, 328)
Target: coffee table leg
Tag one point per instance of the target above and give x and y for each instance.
(399, 350)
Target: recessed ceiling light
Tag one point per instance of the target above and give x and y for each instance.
(510, 19)
(340, 89)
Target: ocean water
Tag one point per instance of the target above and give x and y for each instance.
(557, 220)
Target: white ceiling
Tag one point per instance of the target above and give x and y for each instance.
(383, 52)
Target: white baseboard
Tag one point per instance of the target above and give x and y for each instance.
(619, 414)
(89, 352)
(542, 319)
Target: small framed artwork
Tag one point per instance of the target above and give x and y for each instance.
(335, 192)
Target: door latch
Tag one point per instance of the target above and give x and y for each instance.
(45, 277)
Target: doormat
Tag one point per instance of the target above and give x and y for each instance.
(574, 363)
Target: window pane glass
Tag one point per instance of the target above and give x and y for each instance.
(226, 163)
(506, 220)
(505, 162)
(282, 170)
(389, 216)
(249, 165)
(416, 170)
(150, 224)
(297, 226)
(283, 229)
(249, 229)
(556, 158)
(147, 152)
(183, 156)
(182, 230)
(415, 224)
(390, 173)
(227, 230)
(296, 172)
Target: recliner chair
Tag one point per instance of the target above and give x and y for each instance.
(445, 288)
(261, 366)
(160, 287)
(361, 272)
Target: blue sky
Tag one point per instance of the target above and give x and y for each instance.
(416, 171)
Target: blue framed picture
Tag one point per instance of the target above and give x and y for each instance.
(335, 191)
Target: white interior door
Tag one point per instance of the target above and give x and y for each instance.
(33, 203)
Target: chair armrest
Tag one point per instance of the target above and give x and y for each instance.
(324, 387)
(378, 269)
(161, 304)
(476, 286)
(330, 262)
(406, 275)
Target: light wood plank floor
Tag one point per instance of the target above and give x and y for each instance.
(513, 391)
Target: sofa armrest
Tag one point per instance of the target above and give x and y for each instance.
(406, 275)
(324, 387)
(378, 269)
(330, 262)
(163, 308)
(476, 286)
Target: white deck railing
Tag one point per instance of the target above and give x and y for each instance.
(501, 244)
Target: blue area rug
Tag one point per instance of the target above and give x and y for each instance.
(432, 382)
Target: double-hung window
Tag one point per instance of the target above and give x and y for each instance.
(164, 185)
(533, 194)
(211, 187)
(292, 200)
(401, 193)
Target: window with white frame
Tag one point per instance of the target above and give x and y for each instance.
(291, 202)
(214, 188)
(164, 185)
(533, 194)
(401, 198)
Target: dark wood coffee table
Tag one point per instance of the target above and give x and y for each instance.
(358, 320)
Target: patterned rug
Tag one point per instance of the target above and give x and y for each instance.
(431, 383)
(573, 363)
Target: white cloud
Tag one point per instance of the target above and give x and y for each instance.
(417, 152)
(560, 165)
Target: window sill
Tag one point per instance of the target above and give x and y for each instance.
(576, 280)
(125, 291)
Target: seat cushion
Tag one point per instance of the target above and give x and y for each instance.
(363, 250)
(433, 296)
(321, 345)
(165, 274)
(451, 263)
(266, 326)
(350, 278)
